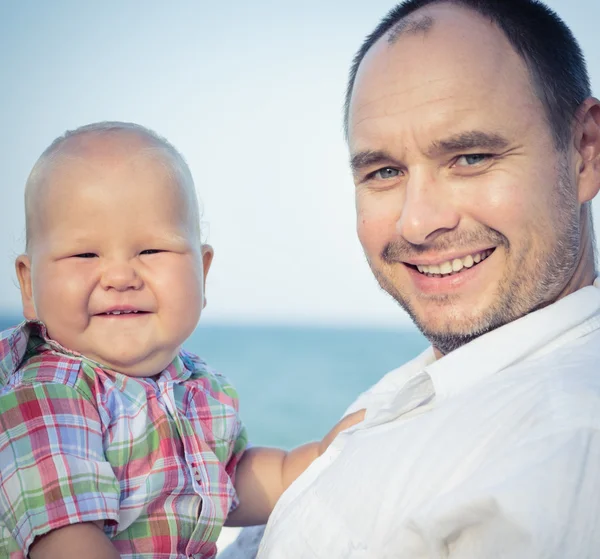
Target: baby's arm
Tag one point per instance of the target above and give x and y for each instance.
(263, 474)
(72, 542)
(54, 496)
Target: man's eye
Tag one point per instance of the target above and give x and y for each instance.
(151, 251)
(472, 159)
(386, 173)
(85, 255)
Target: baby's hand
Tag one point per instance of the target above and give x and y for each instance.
(263, 474)
(345, 423)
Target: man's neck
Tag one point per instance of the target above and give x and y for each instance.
(585, 272)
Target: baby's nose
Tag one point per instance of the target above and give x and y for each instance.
(120, 276)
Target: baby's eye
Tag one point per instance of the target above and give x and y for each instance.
(85, 255)
(472, 159)
(151, 251)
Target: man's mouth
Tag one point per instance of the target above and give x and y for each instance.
(452, 267)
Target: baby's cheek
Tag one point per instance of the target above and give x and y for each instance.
(180, 295)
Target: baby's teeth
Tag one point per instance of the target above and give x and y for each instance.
(122, 312)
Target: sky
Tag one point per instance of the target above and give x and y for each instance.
(251, 93)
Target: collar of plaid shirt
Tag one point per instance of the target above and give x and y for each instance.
(31, 337)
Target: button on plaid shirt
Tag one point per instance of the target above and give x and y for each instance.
(153, 458)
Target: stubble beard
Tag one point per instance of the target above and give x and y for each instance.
(530, 283)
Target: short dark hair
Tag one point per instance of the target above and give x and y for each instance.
(551, 52)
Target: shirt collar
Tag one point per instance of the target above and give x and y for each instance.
(529, 336)
(17, 343)
(31, 337)
(13, 346)
(378, 395)
(178, 371)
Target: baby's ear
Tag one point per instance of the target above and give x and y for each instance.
(23, 269)
(207, 258)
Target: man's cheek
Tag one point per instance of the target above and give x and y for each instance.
(374, 234)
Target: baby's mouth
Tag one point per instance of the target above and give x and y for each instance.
(119, 312)
(122, 312)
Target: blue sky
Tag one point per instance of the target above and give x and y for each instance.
(251, 94)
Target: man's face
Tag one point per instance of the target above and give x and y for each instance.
(466, 212)
(115, 268)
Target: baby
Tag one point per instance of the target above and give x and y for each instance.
(115, 442)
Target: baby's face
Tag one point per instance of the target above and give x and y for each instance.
(115, 267)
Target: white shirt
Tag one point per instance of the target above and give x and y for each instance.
(492, 451)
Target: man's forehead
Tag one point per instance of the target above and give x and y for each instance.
(410, 25)
(462, 56)
(441, 31)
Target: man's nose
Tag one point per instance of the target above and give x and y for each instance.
(428, 209)
(120, 275)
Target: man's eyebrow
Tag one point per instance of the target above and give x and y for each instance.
(464, 141)
(467, 141)
(367, 158)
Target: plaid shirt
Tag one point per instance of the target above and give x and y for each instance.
(152, 457)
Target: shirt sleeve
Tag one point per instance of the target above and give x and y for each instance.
(53, 471)
(541, 499)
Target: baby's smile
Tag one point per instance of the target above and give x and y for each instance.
(122, 312)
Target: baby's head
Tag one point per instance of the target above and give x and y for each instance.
(114, 264)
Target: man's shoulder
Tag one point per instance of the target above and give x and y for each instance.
(560, 390)
(573, 366)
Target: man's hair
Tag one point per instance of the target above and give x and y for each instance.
(550, 51)
(177, 164)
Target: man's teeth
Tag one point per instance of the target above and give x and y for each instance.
(122, 312)
(456, 265)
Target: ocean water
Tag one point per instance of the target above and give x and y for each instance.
(295, 382)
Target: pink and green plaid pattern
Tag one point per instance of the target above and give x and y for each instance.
(153, 458)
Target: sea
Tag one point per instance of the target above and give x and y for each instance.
(295, 382)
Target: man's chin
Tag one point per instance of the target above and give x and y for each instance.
(448, 329)
(448, 337)
(448, 342)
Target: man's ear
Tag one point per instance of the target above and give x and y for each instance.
(23, 269)
(207, 258)
(587, 144)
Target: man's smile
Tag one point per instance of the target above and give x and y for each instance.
(453, 266)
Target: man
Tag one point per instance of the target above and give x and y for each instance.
(475, 149)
